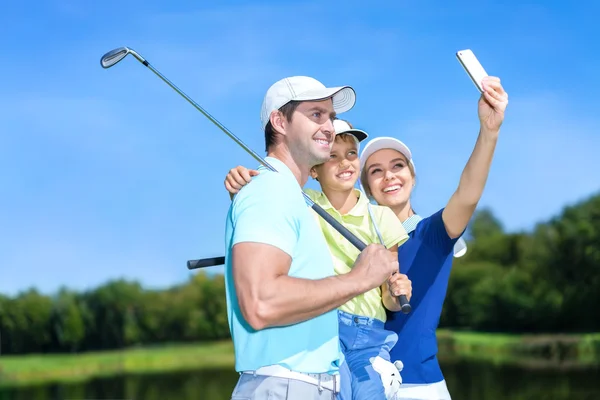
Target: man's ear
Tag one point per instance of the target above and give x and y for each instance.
(277, 122)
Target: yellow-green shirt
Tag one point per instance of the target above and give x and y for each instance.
(358, 221)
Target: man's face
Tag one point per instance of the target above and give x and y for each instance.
(341, 171)
(309, 134)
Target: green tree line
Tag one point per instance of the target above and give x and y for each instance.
(546, 280)
(115, 315)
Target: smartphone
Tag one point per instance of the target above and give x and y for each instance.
(471, 64)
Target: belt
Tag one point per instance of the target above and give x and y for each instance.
(323, 380)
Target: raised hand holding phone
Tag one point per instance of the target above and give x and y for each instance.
(494, 98)
(473, 67)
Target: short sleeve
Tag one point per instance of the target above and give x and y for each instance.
(392, 231)
(266, 212)
(432, 232)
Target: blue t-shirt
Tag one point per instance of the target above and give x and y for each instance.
(272, 210)
(427, 260)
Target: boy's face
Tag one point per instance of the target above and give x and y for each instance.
(343, 168)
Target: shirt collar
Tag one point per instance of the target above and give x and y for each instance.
(359, 209)
(279, 167)
(411, 223)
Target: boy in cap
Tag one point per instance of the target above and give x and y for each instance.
(281, 289)
(364, 340)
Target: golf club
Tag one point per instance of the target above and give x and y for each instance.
(206, 262)
(115, 56)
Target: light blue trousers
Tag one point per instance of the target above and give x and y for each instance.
(362, 338)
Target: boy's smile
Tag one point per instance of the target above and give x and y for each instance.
(346, 175)
(340, 172)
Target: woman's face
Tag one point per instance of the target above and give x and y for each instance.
(389, 178)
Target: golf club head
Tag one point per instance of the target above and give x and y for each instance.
(116, 55)
(113, 57)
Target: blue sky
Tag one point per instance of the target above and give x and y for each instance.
(109, 173)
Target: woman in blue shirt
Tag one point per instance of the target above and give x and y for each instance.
(388, 177)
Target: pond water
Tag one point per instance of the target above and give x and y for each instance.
(466, 381)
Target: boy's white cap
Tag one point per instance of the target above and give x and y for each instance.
(385, 142)
(304, 88)
(342, 126)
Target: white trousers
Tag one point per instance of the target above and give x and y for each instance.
(429, 391)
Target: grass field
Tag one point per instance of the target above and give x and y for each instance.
(539, 351)
(535, 351)
(40, 368)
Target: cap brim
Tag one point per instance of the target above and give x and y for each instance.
(381, 143)
(357, 133)
(343, 97)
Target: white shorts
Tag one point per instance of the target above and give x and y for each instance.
(425, 391)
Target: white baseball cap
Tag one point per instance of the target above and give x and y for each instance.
(342, 126)
(304, 88)
(385, 142)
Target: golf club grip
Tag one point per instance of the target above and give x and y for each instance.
(339, 227)
(404, 304)
(205, 262)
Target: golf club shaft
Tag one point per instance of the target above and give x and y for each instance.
(320, 211)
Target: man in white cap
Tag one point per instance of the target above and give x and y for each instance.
(282, 292)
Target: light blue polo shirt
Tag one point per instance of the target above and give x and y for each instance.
(271, 209)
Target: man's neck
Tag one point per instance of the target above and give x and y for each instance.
(299, 171)
(343, 201)
(403, 212)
